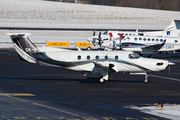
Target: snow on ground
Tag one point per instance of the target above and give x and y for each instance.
(171, 111)
(46, 10)
(39, 13)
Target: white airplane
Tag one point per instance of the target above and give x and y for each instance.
(96, 62)
(173, 30)
(145, 44)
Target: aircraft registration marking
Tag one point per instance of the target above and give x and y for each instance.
(57, 44)
(83, 44)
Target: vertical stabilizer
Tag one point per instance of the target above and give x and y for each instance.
(173, 30)
(24, 47)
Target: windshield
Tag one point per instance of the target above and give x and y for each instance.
(105, 33)
(134, 56)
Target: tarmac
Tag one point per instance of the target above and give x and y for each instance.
(32, 92)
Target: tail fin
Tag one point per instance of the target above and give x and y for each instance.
(24, 47)
(173, 30)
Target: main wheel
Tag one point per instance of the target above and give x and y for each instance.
(89, 48)
(145, 81)
(101, 80)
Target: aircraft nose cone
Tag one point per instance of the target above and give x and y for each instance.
(171, 63)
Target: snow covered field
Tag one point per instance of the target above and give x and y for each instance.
(46, 14)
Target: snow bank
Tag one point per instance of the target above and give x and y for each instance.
(171, 111)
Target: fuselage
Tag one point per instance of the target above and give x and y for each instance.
(123, 61)
(137, 43)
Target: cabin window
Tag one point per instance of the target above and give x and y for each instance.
(97, 57)
(118, 34)
(79, 57)
(128, 38)
(106, 57)
(176, 41)
(161, 40)
(153, 39)
(129, 34)
(134, 56)
(135, 39)
(157, 40)
(133, 34)
(88, 57)
(140, 38)
(149, 39)
(144, 39)
(126, 34)
(122, 33)
(116, 57)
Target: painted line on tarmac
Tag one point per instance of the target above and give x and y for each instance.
(165, 77)
(44, 106)
(16, 94)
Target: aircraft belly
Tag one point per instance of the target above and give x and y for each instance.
(133, 49)
(126, 67)
(86, 67)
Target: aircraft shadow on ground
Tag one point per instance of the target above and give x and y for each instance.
(86, 80)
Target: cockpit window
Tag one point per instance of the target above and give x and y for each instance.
(105, 33)
(134, 56)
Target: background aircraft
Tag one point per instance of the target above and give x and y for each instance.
(173, 30)
(145, 44)
(97, 62)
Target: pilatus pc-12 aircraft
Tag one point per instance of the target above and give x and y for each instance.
(97, 62)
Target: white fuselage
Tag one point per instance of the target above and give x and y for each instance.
(137, 43)
(84, 60)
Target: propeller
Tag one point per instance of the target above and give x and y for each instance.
(100, 40)
(169, 65)
(94, 33)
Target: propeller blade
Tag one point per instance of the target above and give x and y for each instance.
(169, 65)
(99, 34)
(94, 33)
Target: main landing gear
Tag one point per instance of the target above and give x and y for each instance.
(146, 80)
(104, 78)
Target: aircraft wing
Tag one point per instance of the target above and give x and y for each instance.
(154, 47)
(144, 47)
(103, 68)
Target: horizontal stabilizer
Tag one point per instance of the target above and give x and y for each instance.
(18, 34)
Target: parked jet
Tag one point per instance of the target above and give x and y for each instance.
(145, 44)
(173, 30)
(97, 62)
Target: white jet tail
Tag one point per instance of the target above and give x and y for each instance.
(173, 30)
